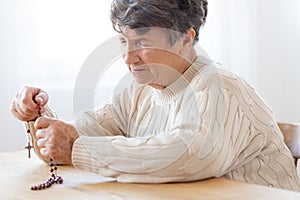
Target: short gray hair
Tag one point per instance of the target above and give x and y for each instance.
(176, 15)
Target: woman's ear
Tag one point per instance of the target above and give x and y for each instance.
(189, 36)
(187, 42)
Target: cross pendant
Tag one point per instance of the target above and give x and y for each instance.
(29, 148)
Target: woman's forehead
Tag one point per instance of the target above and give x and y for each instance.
(150, 33)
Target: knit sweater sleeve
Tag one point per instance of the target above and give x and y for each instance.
(97, 122)
(189, 151)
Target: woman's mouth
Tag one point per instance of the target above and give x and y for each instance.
(137, 70)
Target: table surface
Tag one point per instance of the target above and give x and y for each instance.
(18, 174)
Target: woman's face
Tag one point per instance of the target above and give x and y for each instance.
(152, 59)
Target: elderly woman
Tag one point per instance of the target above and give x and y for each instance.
(183, 118)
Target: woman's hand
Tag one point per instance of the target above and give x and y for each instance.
(27, 103)
(55, 139)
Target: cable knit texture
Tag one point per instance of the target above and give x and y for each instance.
(209, 123)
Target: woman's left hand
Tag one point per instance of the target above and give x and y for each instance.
(55, 139)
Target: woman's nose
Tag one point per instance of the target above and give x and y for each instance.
(131, 56)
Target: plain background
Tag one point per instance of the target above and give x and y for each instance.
(44, 43)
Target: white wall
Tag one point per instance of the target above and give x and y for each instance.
(258, 39)
(229, 36)
(12, 135)
(278, 56)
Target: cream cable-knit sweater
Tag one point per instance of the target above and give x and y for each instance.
(209, 123)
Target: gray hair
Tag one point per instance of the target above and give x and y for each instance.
(175, 15)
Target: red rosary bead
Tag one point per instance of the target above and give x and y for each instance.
(53, 178)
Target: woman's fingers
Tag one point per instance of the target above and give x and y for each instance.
(43, 122)
(41, 98)
(22, 115)
(27, 103)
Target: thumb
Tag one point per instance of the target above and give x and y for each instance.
(41, 98)
(42, 122)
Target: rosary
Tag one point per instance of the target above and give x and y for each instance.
(54, 178)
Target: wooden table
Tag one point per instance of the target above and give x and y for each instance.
(18, 173)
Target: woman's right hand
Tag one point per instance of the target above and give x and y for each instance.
(27, 103)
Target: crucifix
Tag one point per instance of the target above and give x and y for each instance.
(29, 146)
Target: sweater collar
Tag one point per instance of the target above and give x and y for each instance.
(166, 95)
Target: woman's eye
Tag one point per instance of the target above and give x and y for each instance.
(142, 44)
(123, 44)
